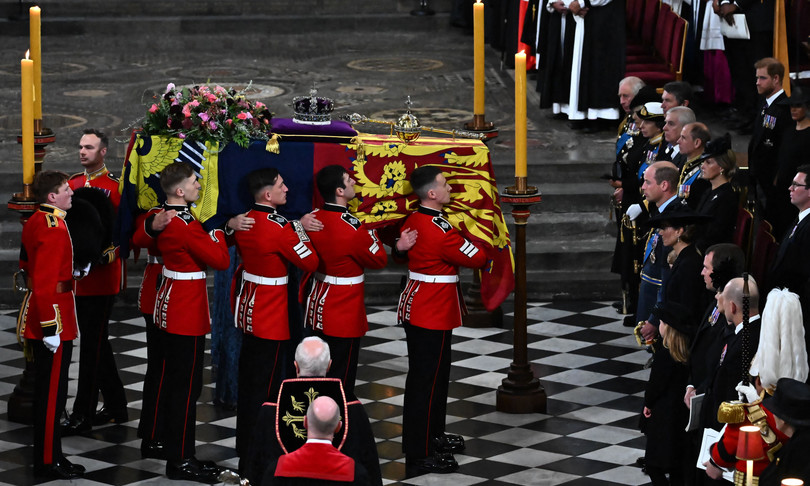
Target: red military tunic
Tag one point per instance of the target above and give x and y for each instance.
(316, 460)
(261, 307)
(181, 306)
(47, 258)
(154, 263)
(106, 279)
(431, 299)
(724, 452)
(345, 247)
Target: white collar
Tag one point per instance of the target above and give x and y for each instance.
(666, 203)
(773, 97)
(319, 441)
(739, 326)
(804, 213)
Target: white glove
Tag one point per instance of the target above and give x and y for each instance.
(633, 211)
(52, 342)
(80, 273)
(748, 393)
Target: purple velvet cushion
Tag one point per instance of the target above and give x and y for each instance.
(335, 128)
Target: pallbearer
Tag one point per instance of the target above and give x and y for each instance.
(430, 308)
(336, 308)
(261, 299)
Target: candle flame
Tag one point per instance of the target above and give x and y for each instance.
(523, 51)
(26, 53)
(477, 1)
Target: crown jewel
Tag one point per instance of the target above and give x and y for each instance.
(312, 109)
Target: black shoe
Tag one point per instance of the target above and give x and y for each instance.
(439, 463)
(630, 321)
(153, 449)
(449, 443)
(618, 305)
(62, 469)
(107, 415)
(191, 470)
(210, 466)
(75, 425)
(76, 467)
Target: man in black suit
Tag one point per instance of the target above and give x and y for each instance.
(770, 124)
(733, 359)
(791, 266)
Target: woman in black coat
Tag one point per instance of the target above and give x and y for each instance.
(721, 203)
(665, 415)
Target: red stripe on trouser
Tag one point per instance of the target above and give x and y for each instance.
(53, 392)
(188, 399)
(157, 399)
(348, 363)
(273, 374)
(432, 391)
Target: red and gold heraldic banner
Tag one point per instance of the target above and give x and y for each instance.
(381, 165)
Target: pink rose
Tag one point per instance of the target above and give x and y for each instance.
(153, 108)
(229, 122)
(212, 125)
(243, 116)
(211, 98)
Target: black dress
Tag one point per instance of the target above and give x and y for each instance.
(722, 204)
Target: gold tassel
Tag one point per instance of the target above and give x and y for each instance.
(731, 412)
(272, 145)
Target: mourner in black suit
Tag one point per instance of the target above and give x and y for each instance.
(721, 263)
(771, 123)
(791, 267)
(731, 363)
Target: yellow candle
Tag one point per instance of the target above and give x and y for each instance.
(27, 90)
(520, 114)
(36, 56)
(478, 69)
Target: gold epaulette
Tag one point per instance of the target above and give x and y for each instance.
(731, 412)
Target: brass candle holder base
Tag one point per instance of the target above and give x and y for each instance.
(520, 391)
(479, 124)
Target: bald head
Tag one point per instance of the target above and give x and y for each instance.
(733, 299)
(312, 357)
(323, 419)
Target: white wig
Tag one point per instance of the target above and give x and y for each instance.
(782, 352)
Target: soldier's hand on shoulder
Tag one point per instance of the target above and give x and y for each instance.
(406, 240)
(241, 222)
(162, 219)
(311, 223)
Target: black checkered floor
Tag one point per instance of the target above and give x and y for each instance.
(590, 366)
